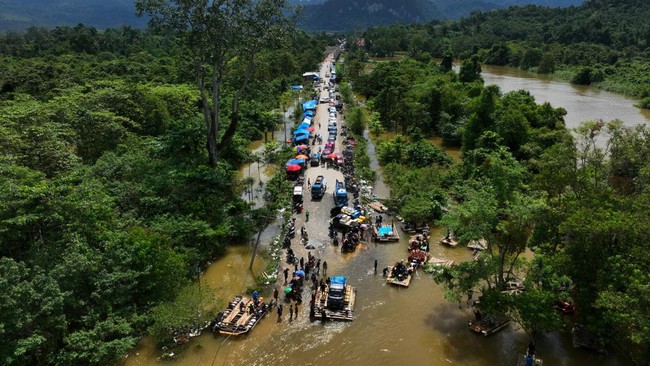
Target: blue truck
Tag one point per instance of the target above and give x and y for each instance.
(340, 194)
(318, 188)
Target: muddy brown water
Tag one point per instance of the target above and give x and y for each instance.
(413, 325)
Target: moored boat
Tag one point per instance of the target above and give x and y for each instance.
(241, 316)
(489, 324)
(400, 274)
(334, 301)
(386, 233)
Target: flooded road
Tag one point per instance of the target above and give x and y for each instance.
(413, 325)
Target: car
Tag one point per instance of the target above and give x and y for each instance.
(331, 102)
(325, 100)
(331, 124)
(314, 159)
(332, 109)
(331, 138)
(332, 114)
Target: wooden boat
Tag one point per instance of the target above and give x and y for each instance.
(403, 279)
(419, 242)
(488, 325)
(397, 280)
(320, 309)
(583, 338)
(413, 228)
(240, 318)
(529, 360)
(378, 206)
(477, 244)
(448, 241)
(435, 264)
(385, 233)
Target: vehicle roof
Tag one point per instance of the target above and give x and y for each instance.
(338, 279)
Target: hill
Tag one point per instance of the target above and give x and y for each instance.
(333, 15)
(21, 14)
(339, 15)
(359, 14)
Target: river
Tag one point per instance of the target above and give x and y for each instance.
(582, 103)
(414, 325)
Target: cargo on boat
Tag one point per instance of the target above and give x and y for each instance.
(419, 242)
(488, 325)
(435, 264)
(378, 206)
(241, 316)
(334, 301)
(385, 233)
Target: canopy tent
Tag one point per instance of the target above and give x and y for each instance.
(301, 156)
(293, 168)
(295, 162)
(300, 138)
(307, 120)
(310, 104)
(304, 126)
(309, 113)
(301, 131)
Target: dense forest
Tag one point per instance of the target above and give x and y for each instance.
(604, 43)
(109, 207)
(524, 184)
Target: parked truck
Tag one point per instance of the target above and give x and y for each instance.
(318, 188)
(340, 194)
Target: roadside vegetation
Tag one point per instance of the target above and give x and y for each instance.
(110, 206)
(525, 183)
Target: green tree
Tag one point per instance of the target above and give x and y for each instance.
(470, 70)
(218, 34)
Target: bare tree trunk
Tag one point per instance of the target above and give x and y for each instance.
(234, 121)
(209, 119)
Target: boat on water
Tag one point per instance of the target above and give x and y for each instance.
(487, 325)
(334, 301)
(419, 242)
(240, 317)
(378, 206)
(448, 241)
(529, 360)
(412, 228)
(400, 274)
(435, 264)
(477, 244)
(385, 233)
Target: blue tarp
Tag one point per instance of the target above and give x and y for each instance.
(300, 132)
(339, 279)
(310, 104)
(304, 126)
(303, 137)
(295, 162)
(296, 87)
(309, 113)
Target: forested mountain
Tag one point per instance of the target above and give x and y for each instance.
(21, 14)
(318, 14)
(359, 14)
